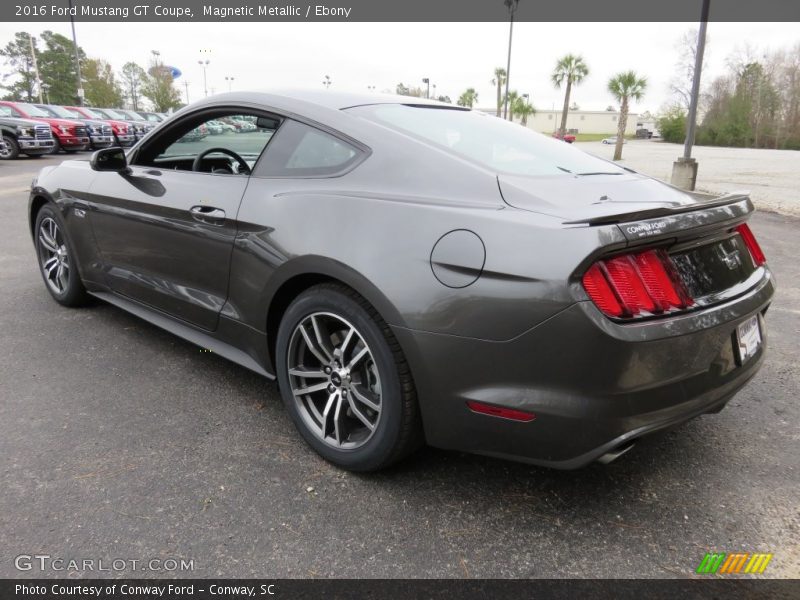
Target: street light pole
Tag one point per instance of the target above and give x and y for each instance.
(427, 81)
(511, 5)
(230, 82)
(684, 170)
(204, 64)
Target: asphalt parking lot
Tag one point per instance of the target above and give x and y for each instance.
(118, 440)
(769, 175)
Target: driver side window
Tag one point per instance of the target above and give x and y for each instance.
(227, 144)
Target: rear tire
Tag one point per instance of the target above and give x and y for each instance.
(345, 381)
(57, 259)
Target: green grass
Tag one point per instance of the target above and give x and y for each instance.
(596, 137)
(592, 137)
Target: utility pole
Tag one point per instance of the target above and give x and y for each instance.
(35, 69)
(186, 86)
(79, 97)
(684, 170)
(511, 5)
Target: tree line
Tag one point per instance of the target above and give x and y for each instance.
(754, 104)
(55, 58)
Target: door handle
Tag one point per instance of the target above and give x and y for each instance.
(207, 213)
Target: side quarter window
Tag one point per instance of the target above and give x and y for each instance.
(300, 150)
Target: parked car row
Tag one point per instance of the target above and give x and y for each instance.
(221, 126)
(36, 129)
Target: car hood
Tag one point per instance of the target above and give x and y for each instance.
(592, 197)
(117, 123)
(57, 122)
(16, 121)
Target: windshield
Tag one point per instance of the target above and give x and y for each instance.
(116, 114)
(58, 111)
(94, 113)
(33, 111)
(5, 111)
(152, 117)
(495, 143)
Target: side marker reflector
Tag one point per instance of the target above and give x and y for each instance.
(499, 411)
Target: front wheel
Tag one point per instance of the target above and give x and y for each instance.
(11, 149)
(57, 262)
(345, 381)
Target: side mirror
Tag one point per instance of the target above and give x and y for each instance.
(110, 159)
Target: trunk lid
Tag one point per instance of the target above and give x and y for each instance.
(581, 198)
(699, 235)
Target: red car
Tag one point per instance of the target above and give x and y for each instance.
(70, 136)
(567, 137)
(124, 134)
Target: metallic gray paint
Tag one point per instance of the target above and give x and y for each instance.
(521, 334)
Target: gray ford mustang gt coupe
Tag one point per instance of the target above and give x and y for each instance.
(413, 272)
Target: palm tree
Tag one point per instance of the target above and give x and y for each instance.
(499, 81)
(625, 86)
(513, 99)
(468, 98)
(572, 70)
(524, 109)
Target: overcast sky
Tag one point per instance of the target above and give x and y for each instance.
(453, 55)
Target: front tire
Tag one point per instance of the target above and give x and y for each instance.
(345, 381)
(57, 262)
(12, 148)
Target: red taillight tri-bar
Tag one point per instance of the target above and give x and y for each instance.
(646, 283)
(635, 285)
(752, 245)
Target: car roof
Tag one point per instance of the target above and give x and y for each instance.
(324, 98)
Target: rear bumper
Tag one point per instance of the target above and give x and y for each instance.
(593, 385)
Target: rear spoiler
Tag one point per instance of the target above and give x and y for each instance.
(657, 222)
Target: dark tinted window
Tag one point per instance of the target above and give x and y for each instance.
(495, 143)
(302, 151)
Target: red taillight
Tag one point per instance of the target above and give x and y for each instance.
(660, 279)
(752, 245)
(632, 284)
(499, 411)
(600, 292)
(628, 285)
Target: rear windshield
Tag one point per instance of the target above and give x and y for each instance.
(495, 143)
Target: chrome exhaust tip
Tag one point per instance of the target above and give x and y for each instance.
(614, 454)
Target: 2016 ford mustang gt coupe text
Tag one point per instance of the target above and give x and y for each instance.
(413, 272)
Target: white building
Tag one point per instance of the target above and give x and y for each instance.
(578, 121)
